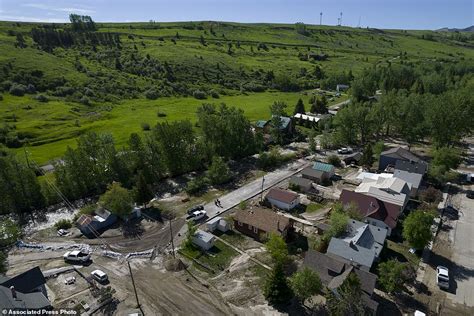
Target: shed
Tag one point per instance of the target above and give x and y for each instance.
(204, 240)
(342, 87)
(303, 184)
(352, 158)
(282, 199)
(217, 223)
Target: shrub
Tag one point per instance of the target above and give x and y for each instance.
(41, 98)
(243, 205)
(30, 89)
(161, 114)
(200, 95)
(63, 224)
(294, 187)
(334, 160)
(214, 94)
(1, 97)
(85, 100)
(145, 126)
(152, 94)
(17, 89)
(196, 185)
(431, 195)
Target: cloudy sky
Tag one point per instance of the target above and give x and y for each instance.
(403, 14)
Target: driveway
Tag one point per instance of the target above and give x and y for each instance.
(462, 240)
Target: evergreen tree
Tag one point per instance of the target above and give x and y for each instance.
(218, 171)
(299, 107)
(276, 288)
(367, 158)
(143, 193)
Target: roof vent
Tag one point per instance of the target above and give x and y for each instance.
(12, 289)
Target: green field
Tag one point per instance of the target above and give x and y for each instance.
(46, 129)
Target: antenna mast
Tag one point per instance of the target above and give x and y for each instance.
(320, 18)
(340, 20)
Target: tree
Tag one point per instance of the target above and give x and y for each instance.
(305, 283)
(299, 107)
(117, 200)
(9, 233)
(334, 160)
(338, 222)
(446, 157)
(392, 275)
(277, 248)
(142, 191)
(3, 262)
(417, 228)
(190, 233)
(318, 106)
(277, 110)
(367, 158)
(347, 298)
(276, 289)
(312, 142)
(218, 171)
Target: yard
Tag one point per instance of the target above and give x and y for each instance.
(214, 260)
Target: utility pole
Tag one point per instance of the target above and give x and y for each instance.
(171, 236)
(340, 20)
(261, 193)
(134, 288)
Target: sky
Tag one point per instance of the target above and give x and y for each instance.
(395, 14)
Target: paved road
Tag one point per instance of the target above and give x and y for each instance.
(338, 105)
(247, 191)
(463, 251)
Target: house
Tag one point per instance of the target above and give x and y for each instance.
(391, 190)
(353, 158)
(373, 210)
(217, 223)
(411, 166)
(204, 240)
(361, 244)
(286, 125)
(319, 172)
(259, 223)
(367, 176)
(93, 225)
(341, 87)
(302, 184)
(391, 156)
(412, 178)
(333, 271)
(282, 199)
(26, 291)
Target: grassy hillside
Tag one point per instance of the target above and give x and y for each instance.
(103, 87)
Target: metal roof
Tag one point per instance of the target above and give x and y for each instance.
(321, 166)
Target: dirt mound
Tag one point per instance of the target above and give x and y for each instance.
(174, 264)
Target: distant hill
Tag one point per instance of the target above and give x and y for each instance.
(467, 29)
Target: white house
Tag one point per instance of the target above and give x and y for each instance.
(204, 240)
(390, 190)
(283, 199)
(217, 223)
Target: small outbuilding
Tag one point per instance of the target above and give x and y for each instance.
(93, 225)
(352, 158)
(301, 184)
(204, 240)
(319, 172)
(282, 199)
(217, 223)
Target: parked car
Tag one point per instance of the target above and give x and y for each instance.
(195, 208)
(70, 280)
(442, 277)
(99, 275)
(470, 194)
(62, 232)
(196, 215)
(344, 150)
(78, 256)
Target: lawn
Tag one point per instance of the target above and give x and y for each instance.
(217, 258)
(314, 207)
(400, 252)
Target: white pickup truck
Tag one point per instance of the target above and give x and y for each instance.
(77, 256)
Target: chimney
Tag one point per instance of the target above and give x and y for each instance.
(12, 289)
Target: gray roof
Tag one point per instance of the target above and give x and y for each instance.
(361, 244)
(309, 171)
(400, 153)
(352, 252)
(301, 181)
(413, 178)
(411, 166)
(27, 281)
(204, 236)
(35, 300)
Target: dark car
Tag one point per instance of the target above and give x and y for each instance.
(470, 194)
(195, 208)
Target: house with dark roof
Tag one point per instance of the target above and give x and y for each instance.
(333, 272)
(353, 158)
(282, 199)
(25, 291)
(93, 225)
(391, 156)
(319, 172)
(361, 244)
(286, 125)
(374, 211)
(259, 223)
(411, 166)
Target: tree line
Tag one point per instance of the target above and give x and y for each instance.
(169, 149)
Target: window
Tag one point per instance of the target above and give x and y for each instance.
(255, 230)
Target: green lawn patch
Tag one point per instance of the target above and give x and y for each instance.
(314, 207)
(400, 252)
(217, 258)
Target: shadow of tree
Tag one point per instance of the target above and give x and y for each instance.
(132, 229)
